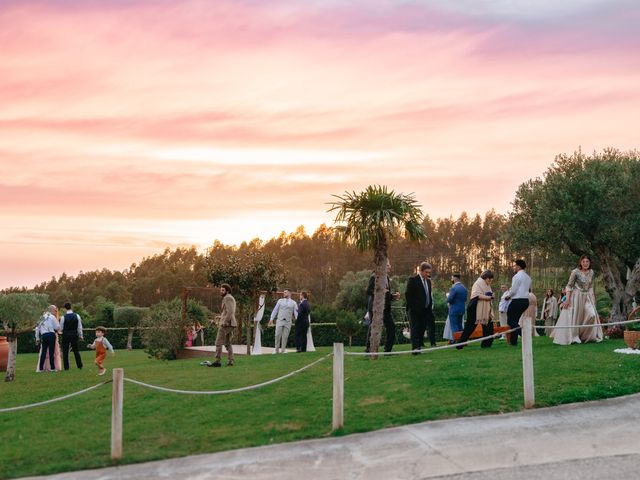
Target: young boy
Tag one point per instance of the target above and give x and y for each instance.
(101, 345)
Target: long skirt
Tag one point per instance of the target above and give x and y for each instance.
(581, 312)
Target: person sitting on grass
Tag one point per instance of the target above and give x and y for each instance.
(101, 345)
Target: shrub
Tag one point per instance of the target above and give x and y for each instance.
(614, 332)
(104, 314)
(166, 331)
(348, 324)
(129, 317)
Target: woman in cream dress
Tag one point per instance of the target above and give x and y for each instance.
(579, 309)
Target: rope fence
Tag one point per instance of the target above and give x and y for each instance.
(53, 400)
(225, 392)
(433, 349)
(117, 398)
(593, 325)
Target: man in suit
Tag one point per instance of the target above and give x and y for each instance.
(283, 313)
(456, 299)
(419, 296)
(389, 324)
(71, 327)
(227, 324)
(302, 323)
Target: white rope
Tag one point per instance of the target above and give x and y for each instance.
(434, 349)
(233, 390)
(53, 400)
(548, 327)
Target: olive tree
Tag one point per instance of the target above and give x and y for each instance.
(19, 312)
(588, 204)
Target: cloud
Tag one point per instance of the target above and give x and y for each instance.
(132, 125)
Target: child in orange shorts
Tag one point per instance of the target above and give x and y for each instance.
(101, 345)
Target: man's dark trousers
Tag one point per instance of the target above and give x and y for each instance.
(302, 328)
(420, 321)
(516, 308)
(48, 346)
(70, 341)
(390, 333)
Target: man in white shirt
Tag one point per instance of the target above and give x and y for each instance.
(284, 312)
(46, 333)
(518, 294)
(503, 306)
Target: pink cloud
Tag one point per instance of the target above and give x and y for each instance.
(118, 114)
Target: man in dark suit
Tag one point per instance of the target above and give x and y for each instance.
(71, 327)
(389, 324)
(302, 323)
(419, 296)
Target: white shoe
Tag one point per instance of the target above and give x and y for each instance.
(285, 351)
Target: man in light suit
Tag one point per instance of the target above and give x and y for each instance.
(285, 311)
(419, 296)
(456, 299)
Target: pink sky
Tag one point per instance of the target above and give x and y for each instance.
(126, 127)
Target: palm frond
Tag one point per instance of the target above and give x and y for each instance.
(370, 218)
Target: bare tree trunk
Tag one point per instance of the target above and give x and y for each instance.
(633, 285)
(380, 260)
(11, 361)
(613, 284)
(130, 339)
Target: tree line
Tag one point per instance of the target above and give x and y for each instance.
(582, 204)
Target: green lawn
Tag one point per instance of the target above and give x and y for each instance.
(75, 433)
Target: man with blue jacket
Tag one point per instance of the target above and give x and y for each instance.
(456, 299)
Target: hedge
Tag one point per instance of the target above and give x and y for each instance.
(324, 335)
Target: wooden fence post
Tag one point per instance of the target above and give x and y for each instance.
(338, 386)
(117, 398)
(527, 363)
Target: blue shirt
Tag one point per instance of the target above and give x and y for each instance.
(456, 299)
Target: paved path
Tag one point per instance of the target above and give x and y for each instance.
(595, 440)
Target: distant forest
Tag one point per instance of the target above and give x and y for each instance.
(316, 262)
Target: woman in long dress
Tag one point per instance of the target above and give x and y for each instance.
(549, 308)
(579, 309)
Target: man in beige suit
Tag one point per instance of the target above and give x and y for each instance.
(227, 324)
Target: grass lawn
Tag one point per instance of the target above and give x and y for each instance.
(75, 434)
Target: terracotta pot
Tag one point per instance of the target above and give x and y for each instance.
(632, 339)
(4, 354)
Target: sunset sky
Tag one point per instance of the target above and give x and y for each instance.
(129, 126)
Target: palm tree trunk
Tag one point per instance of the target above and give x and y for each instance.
(378, 301)
(11, 361)
(130, 339)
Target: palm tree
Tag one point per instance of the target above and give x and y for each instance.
(369, 220)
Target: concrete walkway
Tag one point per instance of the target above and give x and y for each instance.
(595, 440)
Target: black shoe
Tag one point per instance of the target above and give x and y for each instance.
(230, 364)
(215, 364)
